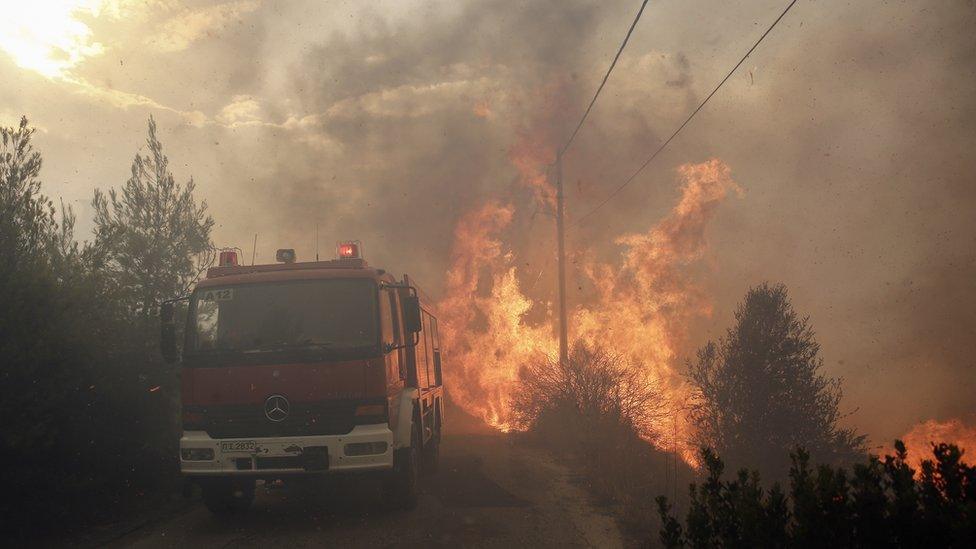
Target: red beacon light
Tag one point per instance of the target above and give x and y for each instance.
(228, 258)
(349, 250)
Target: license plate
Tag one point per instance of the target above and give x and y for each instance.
(239, 446)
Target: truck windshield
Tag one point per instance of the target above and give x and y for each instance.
(337, 314)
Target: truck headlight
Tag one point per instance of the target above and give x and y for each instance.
(365, 448)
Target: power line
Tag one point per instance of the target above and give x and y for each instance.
(605, 77)
(560, 198)
(687, 120)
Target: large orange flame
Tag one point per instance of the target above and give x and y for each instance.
(641, 309)
(482, 315)
(918, 440)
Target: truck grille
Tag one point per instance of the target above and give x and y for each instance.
(241, 421)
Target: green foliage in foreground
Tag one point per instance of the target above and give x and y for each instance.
(882, 503)
(88, 408)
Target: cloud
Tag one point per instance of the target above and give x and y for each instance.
(242, 110)
(180, 31)
(410, 101)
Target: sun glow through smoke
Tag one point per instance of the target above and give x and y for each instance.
(46, 36)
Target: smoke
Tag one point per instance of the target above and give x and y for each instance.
(849, 135)
(850, 130)
(419, 121)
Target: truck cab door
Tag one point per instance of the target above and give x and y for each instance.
(393, 348)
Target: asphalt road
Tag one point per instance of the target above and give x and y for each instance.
(489, 492)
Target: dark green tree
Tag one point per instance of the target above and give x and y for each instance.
(761, 392)
(904, 505)
(737, 513)
(60, 383)
(882, 505)
(153, 236)
(27, 217)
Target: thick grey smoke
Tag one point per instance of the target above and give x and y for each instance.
(851, 131)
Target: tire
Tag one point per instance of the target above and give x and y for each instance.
(432, 457)
(228, 497)
(401, 489)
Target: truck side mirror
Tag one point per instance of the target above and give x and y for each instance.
(167, 332)
(411, 314)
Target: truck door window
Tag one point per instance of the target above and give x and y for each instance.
(386, 320)
(395, 310)
(429, 346)
(434, 335)
(421, 353)
(437, 351)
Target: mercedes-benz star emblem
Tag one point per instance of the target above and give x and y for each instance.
(276, 408)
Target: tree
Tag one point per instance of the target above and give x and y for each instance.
(59, 383)
(882, 505)
(89, 424)
(27, 221)
(761, 393)
(737, 513)
(154, 237)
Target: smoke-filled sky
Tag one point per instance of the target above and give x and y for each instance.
(850, 131)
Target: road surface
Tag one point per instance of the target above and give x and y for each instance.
(489, 492)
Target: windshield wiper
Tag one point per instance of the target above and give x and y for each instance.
(300, 346)
(213, 351)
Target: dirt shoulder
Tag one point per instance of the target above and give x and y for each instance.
(489, 492)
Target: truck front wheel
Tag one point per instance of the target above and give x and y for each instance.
(227, 496)
(401, 488)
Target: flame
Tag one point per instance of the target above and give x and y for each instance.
(645, 303)
(918, 440)
(531, 155)
(640, 307)
(483, 319)
(482, 109)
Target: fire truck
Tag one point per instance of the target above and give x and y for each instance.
(295, 369)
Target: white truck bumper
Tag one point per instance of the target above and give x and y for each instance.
(365, 448)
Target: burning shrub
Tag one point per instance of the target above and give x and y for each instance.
(601, 411)
(594, 387)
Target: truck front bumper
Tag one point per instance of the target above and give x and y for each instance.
(365, 448)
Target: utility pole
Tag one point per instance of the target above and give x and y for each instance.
(563, 338)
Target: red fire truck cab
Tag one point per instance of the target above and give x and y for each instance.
(295, 369)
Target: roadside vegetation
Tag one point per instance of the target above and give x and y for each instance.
(597, 409)
(879, 503)
(90, 424)
(765, 416)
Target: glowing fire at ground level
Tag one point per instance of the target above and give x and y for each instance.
(641, 307)
(919, 439)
